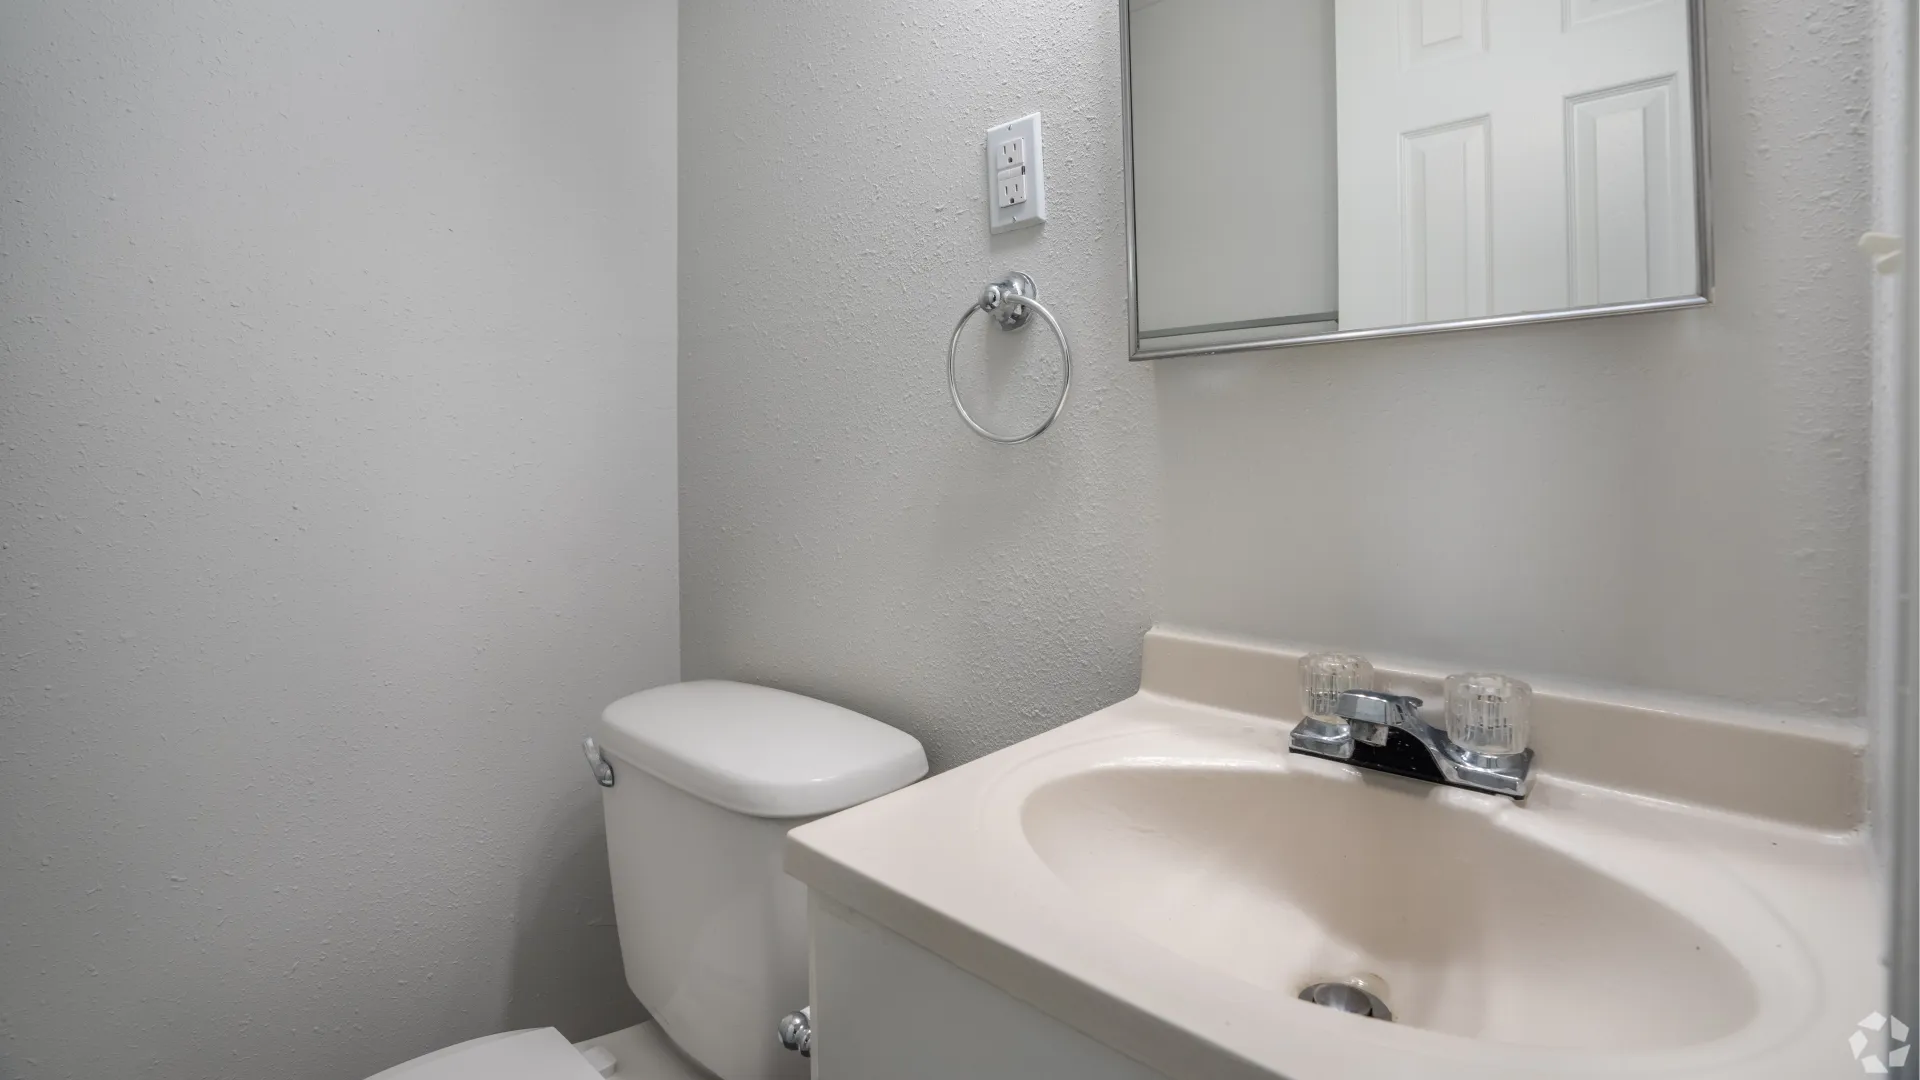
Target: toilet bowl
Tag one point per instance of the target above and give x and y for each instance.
(701, 782)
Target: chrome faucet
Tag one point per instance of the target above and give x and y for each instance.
(1481, 747)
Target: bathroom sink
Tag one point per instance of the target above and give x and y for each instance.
(1286, 879)
(1164, 877)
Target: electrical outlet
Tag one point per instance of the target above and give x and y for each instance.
(1016, 187)
(1010, 189)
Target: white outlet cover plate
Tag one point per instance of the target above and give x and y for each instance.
(1034, 210)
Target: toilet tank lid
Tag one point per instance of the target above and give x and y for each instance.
(760, 751)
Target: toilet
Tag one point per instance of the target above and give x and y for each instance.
(701, 781)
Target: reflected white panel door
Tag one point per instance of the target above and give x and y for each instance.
(1508, 156)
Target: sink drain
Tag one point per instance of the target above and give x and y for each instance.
(1347, 998)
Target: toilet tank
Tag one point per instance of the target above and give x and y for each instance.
(708, 778)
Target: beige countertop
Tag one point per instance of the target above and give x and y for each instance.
(1743, 837)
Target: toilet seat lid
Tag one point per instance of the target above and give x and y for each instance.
(537, 1054)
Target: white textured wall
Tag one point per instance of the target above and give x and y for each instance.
(1670, 503)
(1673, 503)
(843, 534)
(337, 413)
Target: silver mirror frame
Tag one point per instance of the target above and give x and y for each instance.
(1703, 203)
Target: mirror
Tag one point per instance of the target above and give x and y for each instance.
(1302, 171)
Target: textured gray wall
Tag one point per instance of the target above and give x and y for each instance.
(336, 405)
(843, 534)
(1673, 504)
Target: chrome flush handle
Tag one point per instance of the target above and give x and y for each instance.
(796, 1031)
(602, 768)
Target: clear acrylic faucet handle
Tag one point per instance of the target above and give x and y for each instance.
(1324, 677)
(1489, 714)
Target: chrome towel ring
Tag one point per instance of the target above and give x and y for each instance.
(1012, 304)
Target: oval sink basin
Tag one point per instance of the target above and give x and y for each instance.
(1281, 879)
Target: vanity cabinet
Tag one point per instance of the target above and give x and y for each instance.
(886, 1009)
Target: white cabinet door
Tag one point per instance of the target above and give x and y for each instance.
(1507, 156)
(886, 1009)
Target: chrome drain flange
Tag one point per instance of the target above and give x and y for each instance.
(1347, 998)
